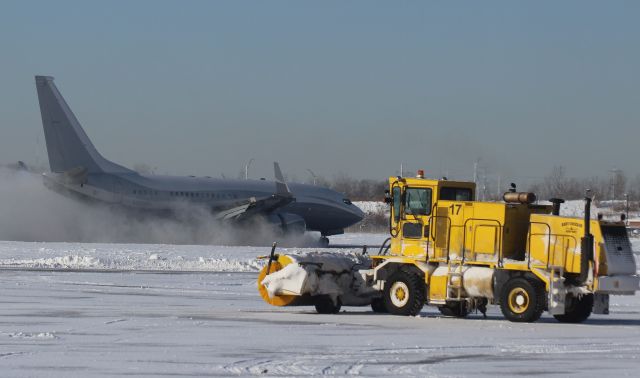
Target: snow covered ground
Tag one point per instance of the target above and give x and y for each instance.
(78, 310)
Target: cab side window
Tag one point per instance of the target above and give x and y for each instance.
(397, 201)
(456, 194)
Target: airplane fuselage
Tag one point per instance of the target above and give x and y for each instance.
(321, 209)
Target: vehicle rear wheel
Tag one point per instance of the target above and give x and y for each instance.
(325, 305)
(522, 300)
(578, 309)
(404, 293)
(456, 309)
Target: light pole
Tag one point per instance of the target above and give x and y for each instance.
(614, 177)
(246, 168)
(626, 208)
(313, 175)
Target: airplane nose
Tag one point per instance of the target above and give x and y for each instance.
(353, 215)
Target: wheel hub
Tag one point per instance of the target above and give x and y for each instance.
(518, 300)
(399, 294)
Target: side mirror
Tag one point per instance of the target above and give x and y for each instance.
(387, 197)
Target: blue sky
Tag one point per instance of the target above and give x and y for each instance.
(352, 87)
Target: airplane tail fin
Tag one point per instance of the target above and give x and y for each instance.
(68, 146)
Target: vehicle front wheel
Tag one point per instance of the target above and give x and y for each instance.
(377, 305)
(404, 293)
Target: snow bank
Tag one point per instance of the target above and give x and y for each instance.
(111, 256)
(80, 256)
(372, 207)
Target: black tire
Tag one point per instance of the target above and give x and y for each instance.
(325, 305)
(404, 293)
(377, 305)
(578, 309)
(522, 300)
(456, 309)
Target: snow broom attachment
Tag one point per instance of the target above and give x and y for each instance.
(326, 280)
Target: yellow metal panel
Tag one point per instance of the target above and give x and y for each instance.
(485, 240)
(555, 241)
(438, 288)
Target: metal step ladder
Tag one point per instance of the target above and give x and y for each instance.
(557, 291)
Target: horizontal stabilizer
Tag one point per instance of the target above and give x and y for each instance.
(282, 189)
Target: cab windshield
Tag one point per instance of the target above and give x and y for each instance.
(417, 201)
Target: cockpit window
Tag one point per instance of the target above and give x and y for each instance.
(418, 201)
(347, 201)
(455, 194)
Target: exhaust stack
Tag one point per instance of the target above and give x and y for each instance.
(586, 246)
(556, 205)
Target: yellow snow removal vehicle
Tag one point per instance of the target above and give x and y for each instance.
(448, 250)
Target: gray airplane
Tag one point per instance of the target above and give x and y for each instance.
(79, 170)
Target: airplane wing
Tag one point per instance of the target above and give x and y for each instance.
(253, 207)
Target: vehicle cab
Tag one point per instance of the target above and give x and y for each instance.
(417, 212)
